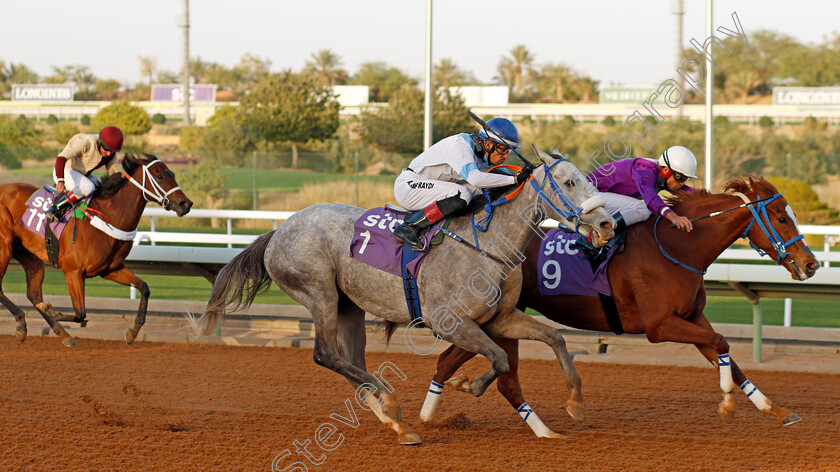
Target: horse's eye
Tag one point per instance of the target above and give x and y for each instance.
(570, 183)
(160, 176)
(783, 220)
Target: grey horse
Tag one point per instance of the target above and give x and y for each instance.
(308, 257)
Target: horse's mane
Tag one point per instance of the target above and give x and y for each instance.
(130, 162)
(685, 202)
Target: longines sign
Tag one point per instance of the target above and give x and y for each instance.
(806, 96)
(42, 92)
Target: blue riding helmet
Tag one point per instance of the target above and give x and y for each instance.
(503, 131)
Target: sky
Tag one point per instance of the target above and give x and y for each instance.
(618, 42)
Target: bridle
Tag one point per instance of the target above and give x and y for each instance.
(572, 212)
(758, 208)
(157, 193)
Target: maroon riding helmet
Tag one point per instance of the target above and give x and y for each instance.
(111, 138)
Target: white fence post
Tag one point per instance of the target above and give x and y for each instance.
(230, 229)
(788, 309)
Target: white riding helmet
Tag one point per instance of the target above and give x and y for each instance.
(679, 159)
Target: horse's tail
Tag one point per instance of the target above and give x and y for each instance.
(389, 327)
(245, 275)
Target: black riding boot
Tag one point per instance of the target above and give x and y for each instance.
(411, 229)
(59, 207)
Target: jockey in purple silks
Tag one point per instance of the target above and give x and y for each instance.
(630, 188)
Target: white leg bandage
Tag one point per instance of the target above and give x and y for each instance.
(754, 394)
(726, 382)
(427, 413)
(537, 426)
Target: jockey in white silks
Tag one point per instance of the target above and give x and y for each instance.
(446, 177)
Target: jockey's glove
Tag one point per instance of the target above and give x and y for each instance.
(522, 175)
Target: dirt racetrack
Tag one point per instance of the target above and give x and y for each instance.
(108, 406)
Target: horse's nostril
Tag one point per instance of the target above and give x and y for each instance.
(606, 225)
(812, 266)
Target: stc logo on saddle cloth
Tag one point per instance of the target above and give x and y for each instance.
(34, 217)
(387, 221)
(562, 244)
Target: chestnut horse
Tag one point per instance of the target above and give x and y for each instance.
(660, 298)
(86, 251)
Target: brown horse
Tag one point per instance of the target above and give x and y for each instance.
(86, 251)
(659, 298)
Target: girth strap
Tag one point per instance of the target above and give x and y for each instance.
(412, 295)
(611, 311)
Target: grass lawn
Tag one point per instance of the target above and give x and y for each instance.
(288, 181)
(817, 313)
(163, 287)
(240, 178)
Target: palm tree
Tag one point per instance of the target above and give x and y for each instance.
(556, 79)
(198, 68)
(445, 72)
(148, 67)
(517, 70)
(585, 88)
(20, 74)
(60, 75)
(326, 65)
(84, 80)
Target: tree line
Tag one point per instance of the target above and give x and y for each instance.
(773, 59)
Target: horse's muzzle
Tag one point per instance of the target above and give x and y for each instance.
(181, 208)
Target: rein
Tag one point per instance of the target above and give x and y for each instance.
(488, 208)
(158, 194)
(778, 243)
(572, 212)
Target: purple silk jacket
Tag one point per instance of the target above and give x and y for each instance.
(636, 177)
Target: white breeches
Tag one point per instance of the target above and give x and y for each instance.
(78, 183)
(414, 193)
(632, 209)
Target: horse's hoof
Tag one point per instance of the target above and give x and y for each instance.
(409, 438)
(789, 419)
(68, 342)
(20, 334)
(130, 337)
(460, 382)
(477, 390)
(725, 414)
(575, 410)
(552, 435)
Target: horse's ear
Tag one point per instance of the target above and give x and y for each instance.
(752, 182)
(556, 151)
(545, 158)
